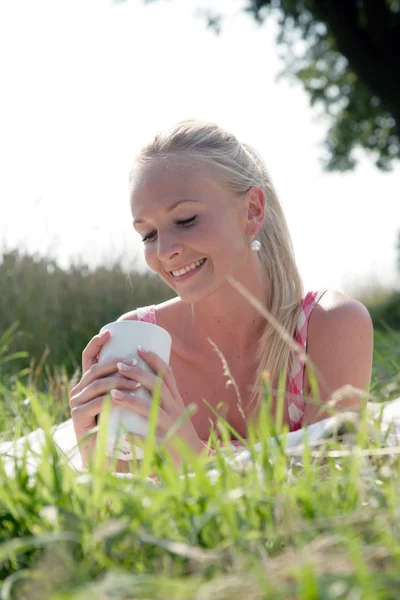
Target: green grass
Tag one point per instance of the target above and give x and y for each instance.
(320, 524)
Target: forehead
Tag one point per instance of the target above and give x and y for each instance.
(164, 183)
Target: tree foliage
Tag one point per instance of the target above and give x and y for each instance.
(345, 55)
(347, 63)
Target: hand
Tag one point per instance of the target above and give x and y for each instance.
(87, 397)
(171, 404)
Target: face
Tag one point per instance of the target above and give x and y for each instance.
(183, 216)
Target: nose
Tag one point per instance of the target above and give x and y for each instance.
(168, 247)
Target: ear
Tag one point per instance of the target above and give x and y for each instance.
(255, 206)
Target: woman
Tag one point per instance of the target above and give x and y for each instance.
(208, 215)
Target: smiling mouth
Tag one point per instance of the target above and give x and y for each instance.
(184, 272)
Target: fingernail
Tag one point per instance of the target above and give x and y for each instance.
(122, 366)
(131, 362)
(117, 394)
(143, 350)
(104, 333)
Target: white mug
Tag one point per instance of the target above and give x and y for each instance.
(125, 337)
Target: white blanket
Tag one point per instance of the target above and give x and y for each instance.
(64, 437)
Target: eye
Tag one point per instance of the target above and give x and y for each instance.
(150, 237)
(187, 222)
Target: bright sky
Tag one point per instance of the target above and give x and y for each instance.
(86, 82)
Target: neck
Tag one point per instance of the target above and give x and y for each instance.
(227, 318)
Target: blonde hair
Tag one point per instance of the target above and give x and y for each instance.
(238, 167)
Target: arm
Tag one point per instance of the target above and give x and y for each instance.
(340, 345)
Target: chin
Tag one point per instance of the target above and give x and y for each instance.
(193, 296)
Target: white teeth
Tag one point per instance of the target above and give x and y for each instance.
(193, 265)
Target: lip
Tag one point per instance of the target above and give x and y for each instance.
(188, 274)
(187, 264)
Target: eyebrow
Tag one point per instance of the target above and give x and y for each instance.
(168, 209)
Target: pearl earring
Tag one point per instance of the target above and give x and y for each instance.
(255, 245)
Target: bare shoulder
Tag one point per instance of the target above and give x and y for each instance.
(167, 313)
(336, 309)
(129, 316)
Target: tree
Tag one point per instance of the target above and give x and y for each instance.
(349, 66)
(345, 54)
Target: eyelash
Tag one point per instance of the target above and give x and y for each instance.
(185, 223)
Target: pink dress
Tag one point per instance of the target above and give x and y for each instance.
(296, 402)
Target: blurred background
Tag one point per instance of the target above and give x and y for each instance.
(87, 82)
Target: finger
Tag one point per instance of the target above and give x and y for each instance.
(162, 368)
(150, 382)
(89, 411)
(141, 407)
(100, 387)
(96, 371)
(90, 353)
(84, 420)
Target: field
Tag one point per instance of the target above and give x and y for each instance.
(322, 524)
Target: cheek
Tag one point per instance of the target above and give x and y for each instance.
(219, 238)
(213, 230)
(150, 255)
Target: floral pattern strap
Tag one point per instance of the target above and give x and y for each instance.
(296, 404)
(147, 313)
